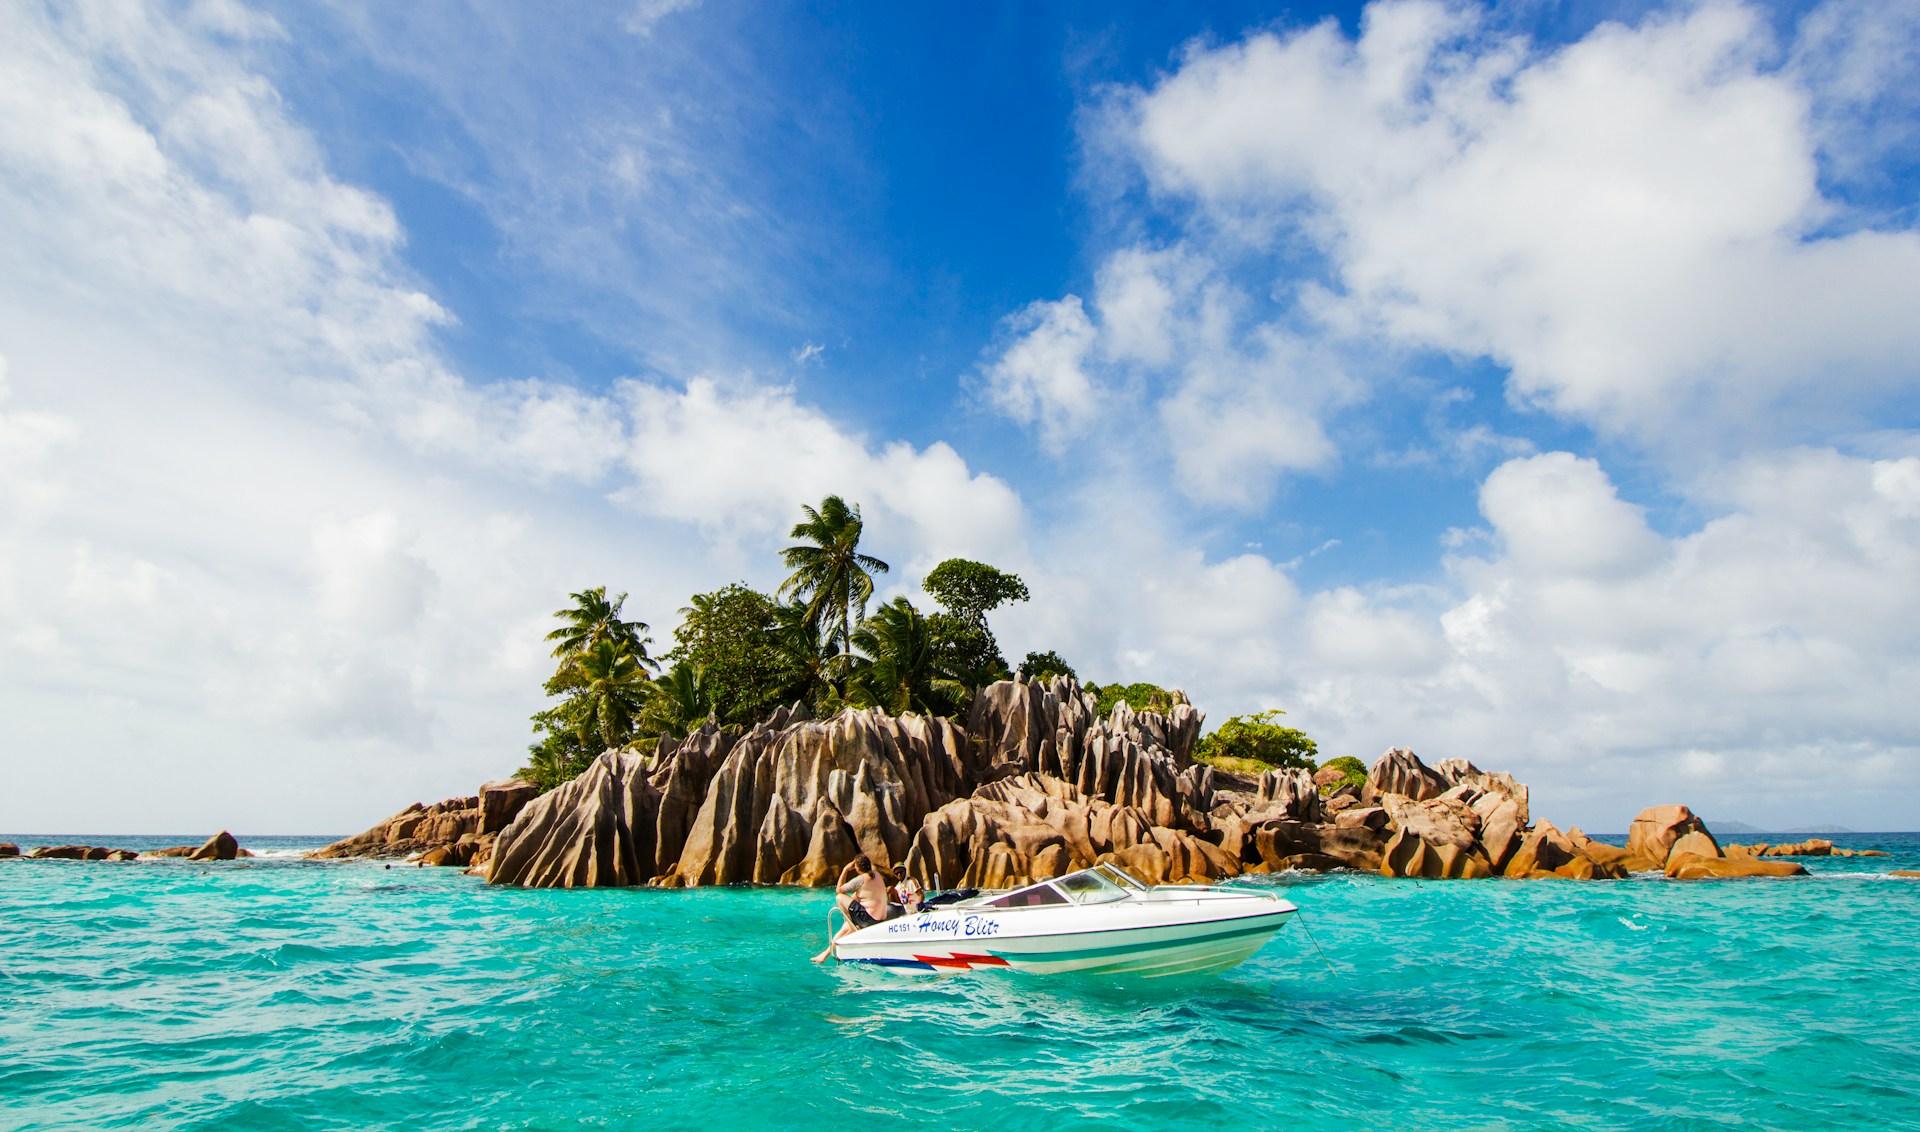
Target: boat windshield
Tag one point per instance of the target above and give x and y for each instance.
(1120, 875)
(1032, 896)
(1090, 887)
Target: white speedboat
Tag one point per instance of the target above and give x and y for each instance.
(1099, 919)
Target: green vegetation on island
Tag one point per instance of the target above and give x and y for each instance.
(739, 654)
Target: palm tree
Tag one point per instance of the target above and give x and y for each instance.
(899, 668)
(808, 656)
(678, 702)
(610, 688)
(829, 573)
(594, 619)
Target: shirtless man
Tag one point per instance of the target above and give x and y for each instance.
(862, 899)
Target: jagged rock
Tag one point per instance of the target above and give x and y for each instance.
(1656, 832)
(1400, 771)
(875, 774)
(502, 800)
(1035, 826)
(1696, 866)
(594, 831)
(1354, 845)
(1410, 855)
(1293, 792)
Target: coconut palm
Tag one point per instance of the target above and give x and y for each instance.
(595, 618)
(898, 666)
(609, 688)
(677, 703)
(808, 655)
(830, 575)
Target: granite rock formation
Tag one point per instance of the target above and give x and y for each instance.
(1033, 785)
(1812, 847)
(458, 831)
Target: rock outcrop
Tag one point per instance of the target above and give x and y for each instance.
(1812, 847)
(1034, 785)
(458, 831)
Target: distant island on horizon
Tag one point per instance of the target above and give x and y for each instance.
(1745, 829)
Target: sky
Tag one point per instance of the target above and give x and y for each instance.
(1537, 385)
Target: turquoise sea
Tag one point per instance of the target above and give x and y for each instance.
(285, 994)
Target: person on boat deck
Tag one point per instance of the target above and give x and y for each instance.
(862, 899)
(908, 891)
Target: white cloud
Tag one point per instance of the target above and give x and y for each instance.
(1041, 378)
(265, 558)
(1630, 223)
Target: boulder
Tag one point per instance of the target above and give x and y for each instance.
(1409, 854)
(1400, 771)
(220, 847)
(412, 831)
(1280, 843)
(502, 800)
(1910, 874)
(1698, 866)
(9, 849)
(70, 853)
(1610, 857)
(123, 855)
(1656, 831)
(1329, 778)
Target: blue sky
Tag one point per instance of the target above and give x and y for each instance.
(1532, 385)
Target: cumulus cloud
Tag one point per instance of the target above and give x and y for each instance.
(1632, 223)
(299, 565)
(1041, 378)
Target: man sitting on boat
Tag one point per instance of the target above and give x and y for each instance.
(862, 899)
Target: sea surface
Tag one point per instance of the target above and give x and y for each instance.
(287, 994)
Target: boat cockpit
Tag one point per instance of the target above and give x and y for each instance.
(1102, 884)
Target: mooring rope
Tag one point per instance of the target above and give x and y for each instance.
(1308, 928)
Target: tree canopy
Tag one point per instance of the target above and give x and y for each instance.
(1259, 739)
(1045, 666)
(1139, 696)
(733, 636)
(969, 591)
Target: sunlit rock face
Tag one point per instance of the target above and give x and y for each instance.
(1033, 785)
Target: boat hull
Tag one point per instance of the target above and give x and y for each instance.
(1201, 931)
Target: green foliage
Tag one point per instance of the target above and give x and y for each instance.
(1139, 697)
(1045, 666)
(679, 702)
(606, 686)
(603, 679)
(1260, 739)
(594, 618)
(972, 590)
(897, 666)
(967, 649)
(1355, 769)
(969, 591)
(733, 636)
(830, 576)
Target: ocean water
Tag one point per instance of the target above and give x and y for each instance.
(285, 994)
